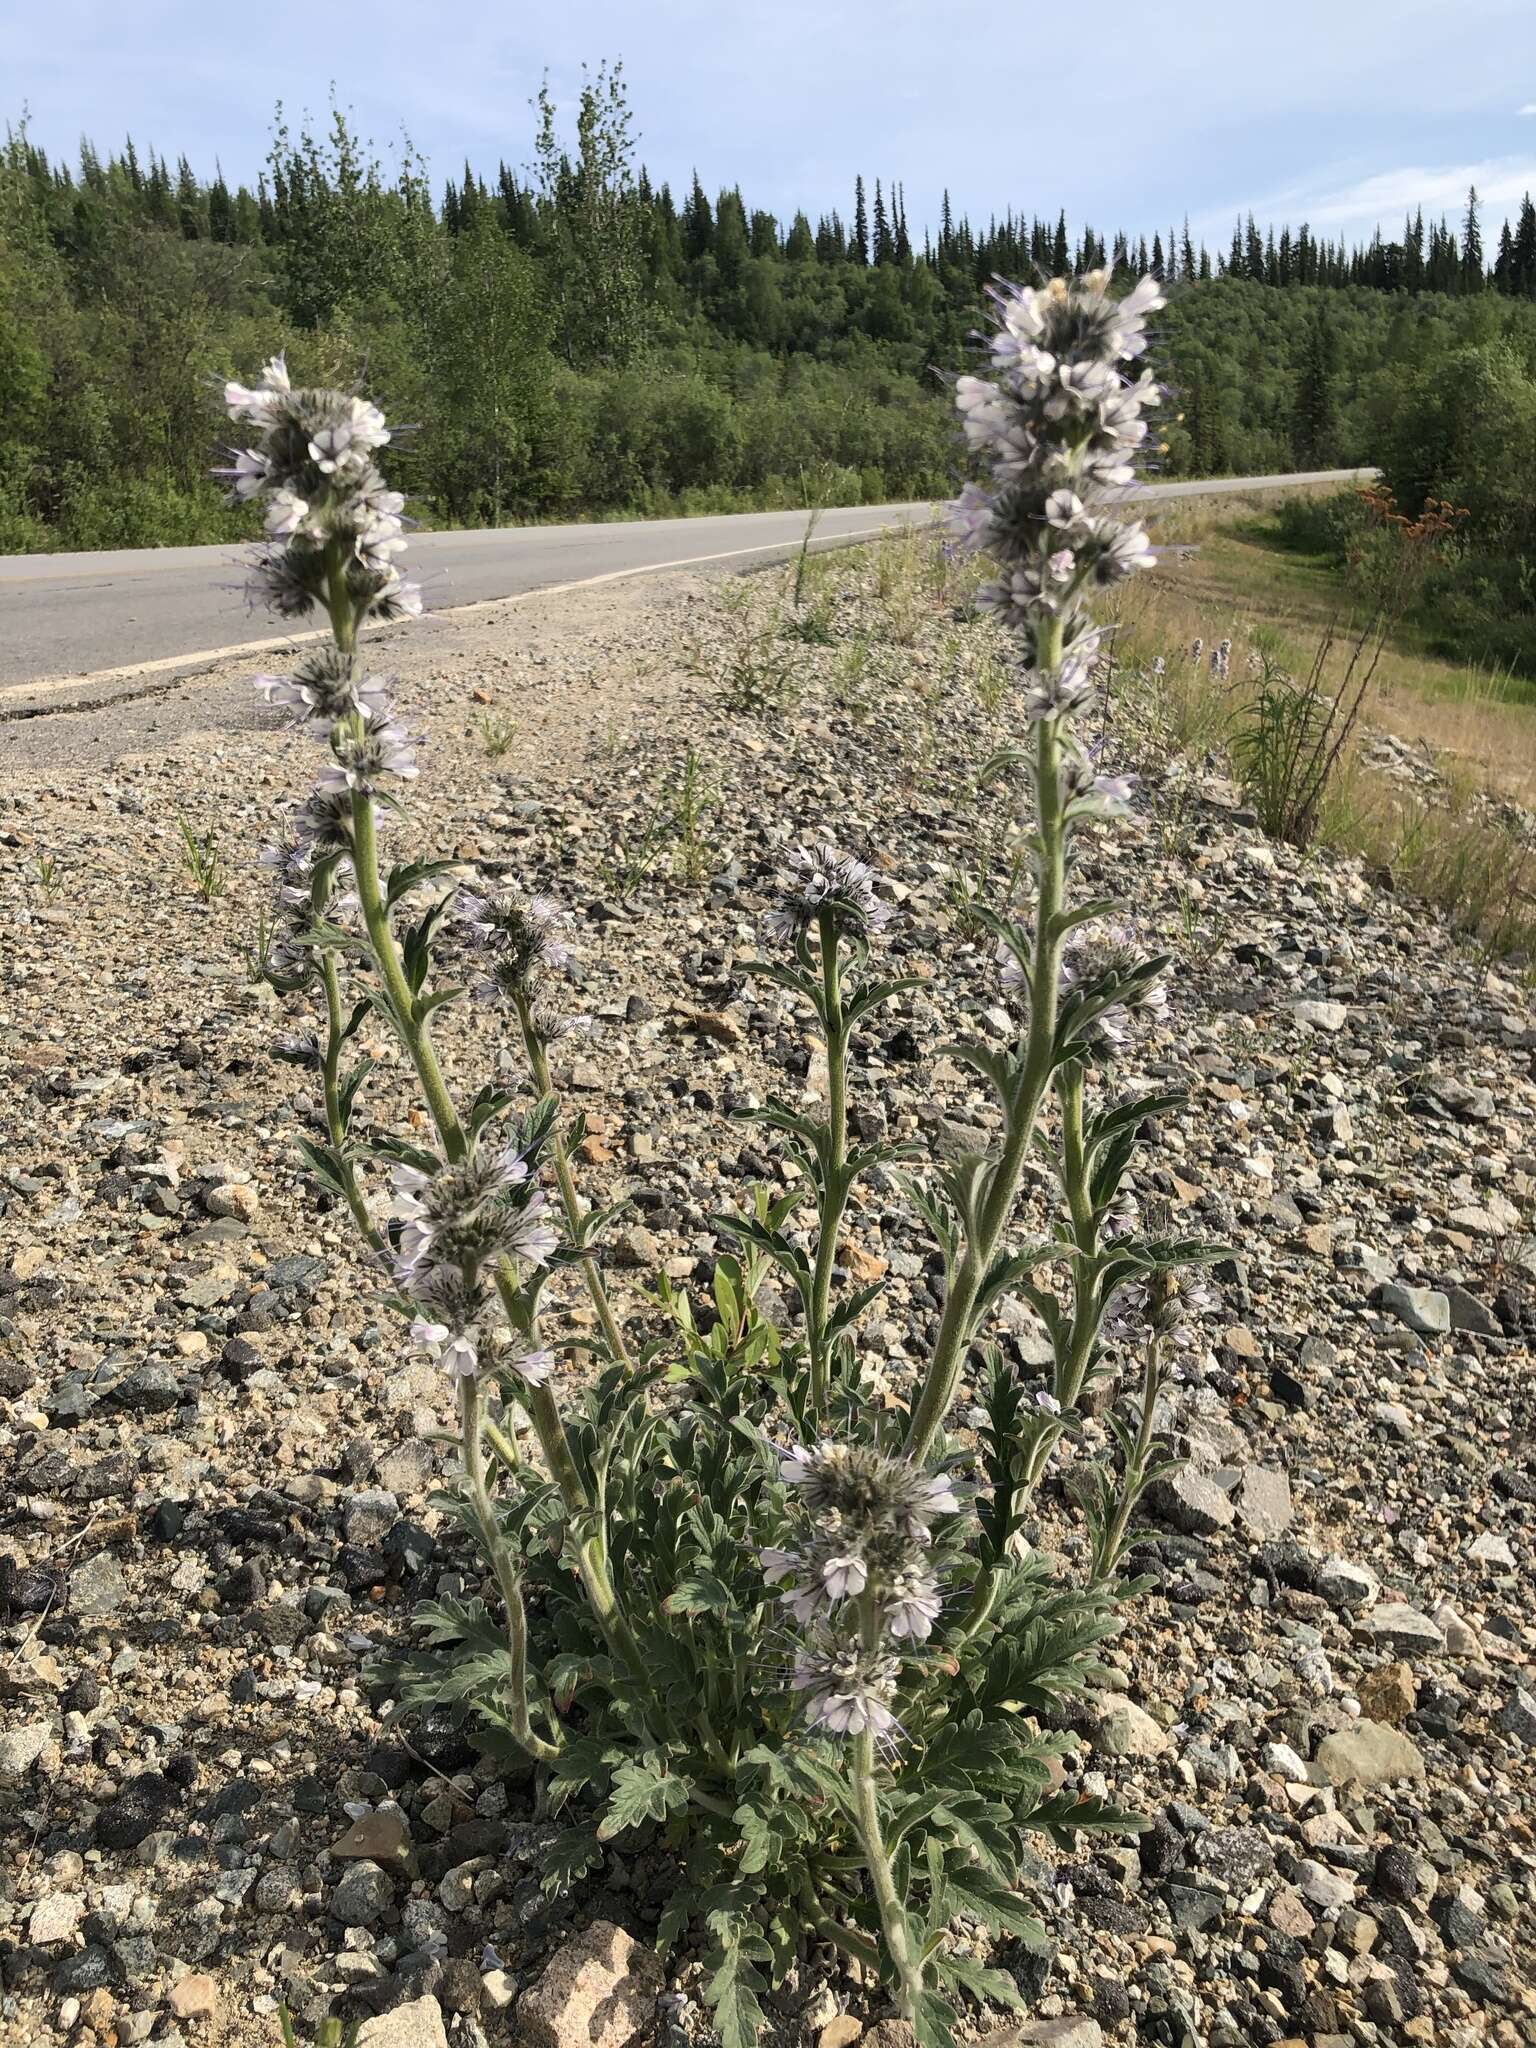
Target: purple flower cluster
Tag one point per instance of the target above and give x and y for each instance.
(1059, 424)
(453, 1224)
(867, 1548)
(313, 465)
(821, 881)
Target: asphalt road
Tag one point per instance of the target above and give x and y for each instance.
(112, 617)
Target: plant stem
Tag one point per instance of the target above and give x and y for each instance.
(1112, 1541)
(538, 1062)
(591, 1548)
(334, 1123)
(858, 1946)
(893, 1913)
(402, 1002)
(515, 1693)
(835, 1190)
(1002, 1182)
(540, 1402)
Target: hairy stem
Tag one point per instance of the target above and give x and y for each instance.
(1002, 1182)
(1111, 1542)
(835, 1192)
(545, 1416)
(893, 1913)
(334, 1122)
(538, 1062)
(412, 1028)
(508, 1579)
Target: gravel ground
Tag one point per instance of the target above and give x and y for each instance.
(216, 1461)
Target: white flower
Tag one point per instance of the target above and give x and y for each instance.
(533, 1366)
(913, 1607)
(249, 472)
(844, 1577)
(329, 448)
(285, 514)
(454, 1352)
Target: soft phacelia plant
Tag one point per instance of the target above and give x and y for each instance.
(804, 1635)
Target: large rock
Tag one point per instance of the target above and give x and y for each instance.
(375, 1838)
(1389, 1694)
(362, 1895)
(416, 2025)
(1125, 1729)
(55, 1918)
(20, 1749)
(1425, 1310)
(1263, 1503)
(369, 1517)
(1517, 1716)
(1397, 1626)
(97, 1587)
(1470, 1314)
(1191, 1502)
(1322, 1016)
(599, 1991)
(1367, 1755)
(1342, 1583)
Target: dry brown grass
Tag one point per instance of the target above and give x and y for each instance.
(1462, 840)
(1235, 586)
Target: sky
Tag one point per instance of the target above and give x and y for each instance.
(1341, 112)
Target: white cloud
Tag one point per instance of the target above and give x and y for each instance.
(1529, 107)
(1355, 210)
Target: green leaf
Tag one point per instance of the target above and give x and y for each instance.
(322, 1163)
(732, 1990)
(404, 878)
(987, 1987)
(997, 1910)
(567, 1860)
(642, 1791)
(675, 1916)
(759, 1841)
(933, 2021)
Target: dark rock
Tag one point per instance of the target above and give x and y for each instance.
(26, 1590)
(460, 1989)
(152, 1390)
(1239, 1857)
(296, 1274)
(82, 1696)
(1110, 2001)
(88, 1969)
(1192, 1906)
(1161, 1850)
(168, 1520)
(1396, 1875)
(245, 1586)
(143, 1805)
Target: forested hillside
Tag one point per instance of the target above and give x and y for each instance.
(575, 341)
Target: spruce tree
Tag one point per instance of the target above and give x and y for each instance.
(1523, 273)
(885, 247)
(858, 247)
(1314, 422)
(698, 223)
(1473, 275)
